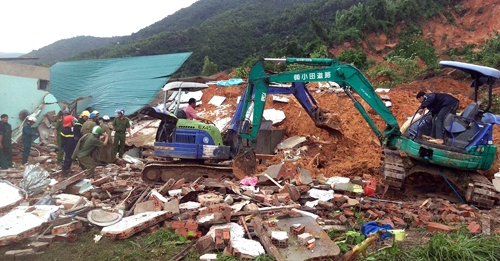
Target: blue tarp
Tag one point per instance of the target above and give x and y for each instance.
(128, 83)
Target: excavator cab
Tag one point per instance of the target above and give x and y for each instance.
(178, 137)
(465, 130)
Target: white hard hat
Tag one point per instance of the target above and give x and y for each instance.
(106, 118)
(32, 118)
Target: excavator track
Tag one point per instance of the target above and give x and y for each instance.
(474, 187)
(159, 171)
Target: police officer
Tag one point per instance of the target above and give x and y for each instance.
(28, 136)
(84, 116)
(120, 125)
(5, 142)
(86, 147)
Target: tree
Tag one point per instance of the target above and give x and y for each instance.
(209, 68)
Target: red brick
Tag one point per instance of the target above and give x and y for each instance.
(380, 213)
(425, 217)
(372, 214)
(399, 221)
(387, 221)
(178, 184)
(348, 212)
(432, 226)
(226, 236)
(191, 225)
(474, 227)
(181, 231)
(178, 224)
(451, 217)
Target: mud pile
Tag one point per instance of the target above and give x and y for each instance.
(358, 152)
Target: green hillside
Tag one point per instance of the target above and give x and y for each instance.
(65, 48)
(229, 32)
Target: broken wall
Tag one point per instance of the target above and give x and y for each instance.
(22, 93)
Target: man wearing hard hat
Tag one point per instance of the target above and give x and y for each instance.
(84, 116)
(86, 146)
(88, 125)
(28, 136)
(97, 119)
(121, 124)
(68, 143)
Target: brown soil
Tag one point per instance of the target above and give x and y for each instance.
(359, 152)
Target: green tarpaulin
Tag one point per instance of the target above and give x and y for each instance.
(128, 83)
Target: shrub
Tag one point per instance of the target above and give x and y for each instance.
(354, 57)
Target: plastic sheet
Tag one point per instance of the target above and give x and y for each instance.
(230, 82)
(35, 179)
(372, 227)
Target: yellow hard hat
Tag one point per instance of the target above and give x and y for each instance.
(95, 112)
(85, 113)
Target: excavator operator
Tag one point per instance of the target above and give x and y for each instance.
(190, 112)
(440, 104)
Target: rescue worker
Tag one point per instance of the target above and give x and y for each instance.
(84, 116)
(86, 146)
(97, 119)
(5, 142)
(120, 125)
(439, 104)
(68, 143)
(190, 112)
(106, 153)
(88, 125)
(28, 135)
(57, 135)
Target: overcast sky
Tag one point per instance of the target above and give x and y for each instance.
(27, 25)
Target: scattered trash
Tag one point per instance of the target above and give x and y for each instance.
(276, 116)
(35, 179)
(217, 100)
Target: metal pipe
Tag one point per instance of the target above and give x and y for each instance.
(275, 60)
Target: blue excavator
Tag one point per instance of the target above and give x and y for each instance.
(193, 149)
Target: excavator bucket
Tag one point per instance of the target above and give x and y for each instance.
(330, 122)
(244, 164)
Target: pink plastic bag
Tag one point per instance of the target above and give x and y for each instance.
(249, 181)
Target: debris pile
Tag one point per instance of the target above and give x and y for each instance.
(284, 212)
(314, 183)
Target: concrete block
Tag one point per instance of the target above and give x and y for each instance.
(208, 199)
(37, 246)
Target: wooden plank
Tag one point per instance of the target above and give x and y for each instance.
(265, 240)
(264, 156)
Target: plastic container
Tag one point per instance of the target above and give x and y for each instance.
(371, 187)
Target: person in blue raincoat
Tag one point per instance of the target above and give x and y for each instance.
(28, 136)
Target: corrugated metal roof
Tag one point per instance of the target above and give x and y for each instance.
(128, 83)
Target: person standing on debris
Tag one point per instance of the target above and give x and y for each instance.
(440, 104)
(5, 142)
(96, 119)
(57, 135)
(106, 153)
(120, 125)
(190, 112)
(28, 135)
(68, 143)
(88, 125)
(84, 116)
(86, 145)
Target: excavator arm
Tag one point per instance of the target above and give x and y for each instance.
(347, 76)
(259, 86)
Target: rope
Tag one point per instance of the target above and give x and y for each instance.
(451, 186)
